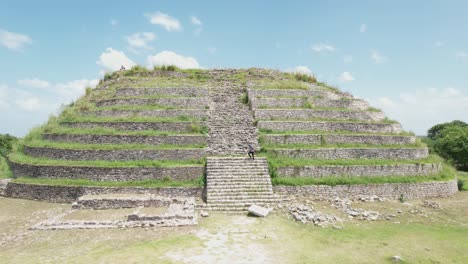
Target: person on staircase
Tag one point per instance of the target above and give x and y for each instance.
(251, 152)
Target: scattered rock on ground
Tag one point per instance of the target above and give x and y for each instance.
(259, 210)
(204, 214)
(306, 214)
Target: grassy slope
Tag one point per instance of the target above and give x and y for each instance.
(463, 175)
(4, 169)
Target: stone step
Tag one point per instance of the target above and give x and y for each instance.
(236, 192)
(331, 126)
(117, 201)
(180, 173)
(226, 178)
(319, 139)
(296, 114)
(127, 139)
(241, 189)
(240, 197)
(352, 104)
(212, 184)
(181, 127)
(180, 102)
(79, 154)
(238, 172)
(355, 153)
(169, 113)
(180, 91)
(253, 93)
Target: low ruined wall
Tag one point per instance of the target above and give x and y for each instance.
(263, 102)
(135, 126)
(338, 139)
(181, 102)
(68, 194)
(353, 104)
(386, 190)
(271, 114)
(191, 113)
(77, 154)
(355, 153)
(360, 170)
(283, 92)
(330, 126)
(107, 174)
(127, 139)
(181, 91)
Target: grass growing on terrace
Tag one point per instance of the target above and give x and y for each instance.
(321, 132)
(5, 171)
(110, 131)
(78, 146)
(166, 182)
(351, 120)
(283, 84)
(19, 157)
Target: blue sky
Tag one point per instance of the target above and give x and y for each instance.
(409, 58)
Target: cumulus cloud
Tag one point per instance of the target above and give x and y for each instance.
(13, 41)
(420, 110)
(140, 41)
(377, 57)
(71, 90)
(363, 28)
(112, 60)
(34, 82)
(196, 21)
(164, 20)
(171, 58)
(346, 77)
(322, 48)
(30, 104)
(300, 69)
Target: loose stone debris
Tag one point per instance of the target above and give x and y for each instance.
(306, 214)
(258, 210)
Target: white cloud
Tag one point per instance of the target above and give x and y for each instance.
(439, 44)
(377, 57)
(4, 97)
(73, 89)
(463, 55)
(300, 69)
(13, 41)
(348, 59)
(34, 82)
(346, 77)
(322, 48)
(196, 21)
(171, 58)
(140, 40)
(420, 110)
(112, 60)
(30, 104)
(168, 22)
(363, 28)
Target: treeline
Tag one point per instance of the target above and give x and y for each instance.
(6, 144)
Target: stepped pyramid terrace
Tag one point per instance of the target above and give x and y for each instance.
(143, 137)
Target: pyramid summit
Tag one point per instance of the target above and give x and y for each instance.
(176, 132)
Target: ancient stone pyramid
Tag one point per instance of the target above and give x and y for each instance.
(162, 125)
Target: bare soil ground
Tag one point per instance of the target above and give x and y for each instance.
(419, 233)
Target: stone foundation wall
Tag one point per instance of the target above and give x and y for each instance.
(127, 139)
(135, 126)
(360, 170)
(107, 174)
(387, 190)
(180, 102)
(181, 91)
(355, 153)
(330, 126)
(258, 103)
(353, 104)
(191, 113)
(77, 154)
(311, 113)
(338, 139)
(68, 194)
(283, 92)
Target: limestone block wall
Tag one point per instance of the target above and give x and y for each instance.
(283, 92)
(68, 194)
(261, 102)
(271, 114)
(127, 139)
(360, 170)
(177, 91)
(77, 154)
(106, 174)
(135, 126)
(387, 190)
(180, 102)
(337, 139)
(330, 126)
(191, 113)
(353, 104)
(355, 153)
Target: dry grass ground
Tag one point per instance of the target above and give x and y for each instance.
(418, 234)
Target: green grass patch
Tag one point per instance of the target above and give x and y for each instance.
(321, 132)
(284, 84)
(5, 171)
(446, 174)
(19, 157)
(166, 182)
(462, 180)
(110, 131)
(78, 146)
(269, 146)
(136, 107)
(152, 96)
(193, 79)
(91, 118)
(384, 121)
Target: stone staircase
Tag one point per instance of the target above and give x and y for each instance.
(235, 183)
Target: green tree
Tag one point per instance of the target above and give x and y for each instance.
(451, 143)
(434, 131)
(6, 144)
